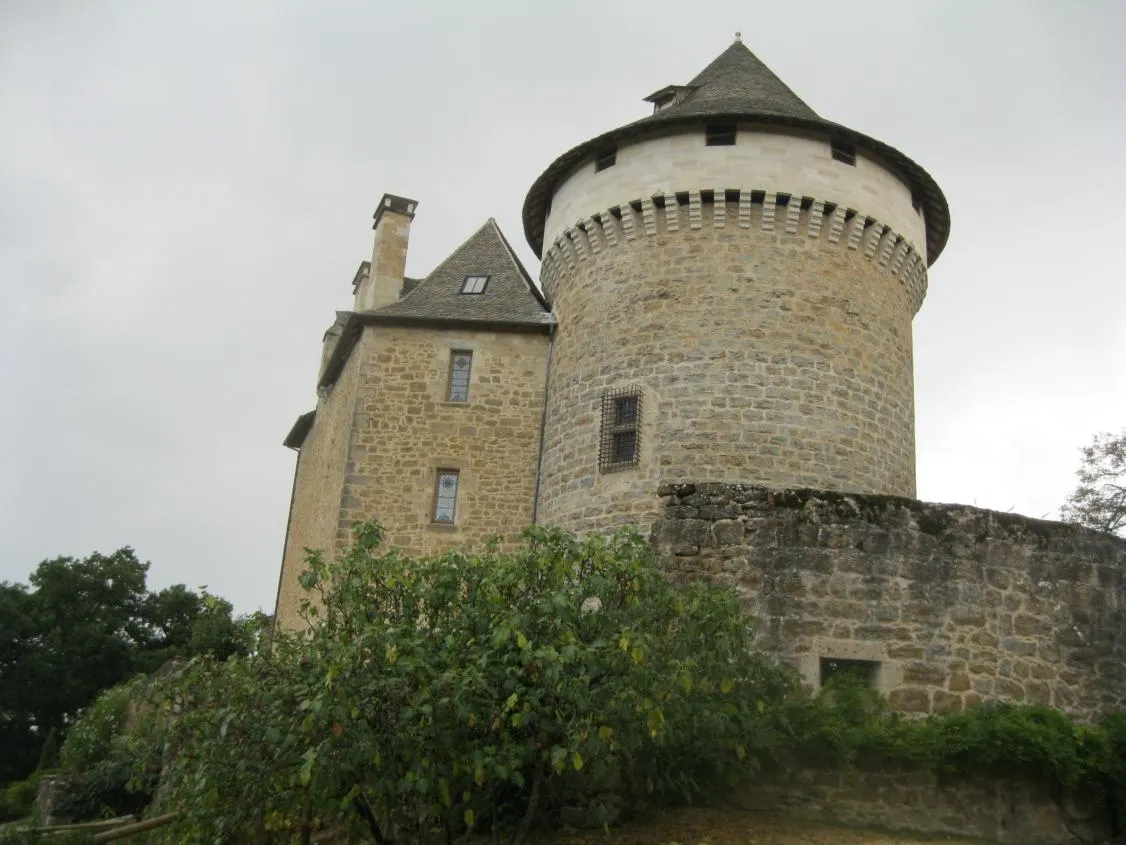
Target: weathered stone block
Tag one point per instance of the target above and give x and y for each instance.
(910, 700)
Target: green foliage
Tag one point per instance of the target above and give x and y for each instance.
(1099, 499)
(121, 783)
(459, 692)
(849, 724)
(26, 835)
(91, 738)
(17, 799)
(84, 626)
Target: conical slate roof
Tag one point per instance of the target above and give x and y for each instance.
(738, 81)
(509, 295)
(737, 85)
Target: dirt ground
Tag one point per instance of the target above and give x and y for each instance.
(735, 827)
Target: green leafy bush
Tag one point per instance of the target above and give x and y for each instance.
(17, 799)
(121, 784)
(849, 724)
(90, 739)
(29, 836)
(459, 692)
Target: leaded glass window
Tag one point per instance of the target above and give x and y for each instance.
(460, 364)
(445, 496)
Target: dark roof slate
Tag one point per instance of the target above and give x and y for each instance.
(737, 85)
(737, 80)
(509, 297)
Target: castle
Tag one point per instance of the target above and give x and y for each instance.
(726, 293)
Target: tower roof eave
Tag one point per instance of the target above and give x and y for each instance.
(935, 207)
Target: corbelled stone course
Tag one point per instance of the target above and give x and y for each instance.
(958, 605)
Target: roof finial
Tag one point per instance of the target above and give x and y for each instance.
(738, 38)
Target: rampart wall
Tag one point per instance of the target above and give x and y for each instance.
(949, 605)
(1012, 812)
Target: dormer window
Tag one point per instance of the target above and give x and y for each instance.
(474, 284)
(670, 95)
(843, 151)
(605, 158)
(720, 135)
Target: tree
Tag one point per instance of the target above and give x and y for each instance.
(85, 625)
(462, 692)
(1099, 500)
(17, 734)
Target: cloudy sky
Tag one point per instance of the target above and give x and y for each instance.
(186, 190)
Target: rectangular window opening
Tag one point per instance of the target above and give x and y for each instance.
(605, 158)
(843, 151)
(866, 671)
(720, 135)
(461, 362)
(620, 442)
(445, 496)
(474, 284)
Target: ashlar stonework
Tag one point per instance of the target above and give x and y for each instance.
(958, 605)
(764, 356)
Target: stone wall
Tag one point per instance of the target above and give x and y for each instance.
(1000, 811)
(956, 604)
(778, 354)
(406, 431)
(779, 159)
(315, 508)
(385, 429)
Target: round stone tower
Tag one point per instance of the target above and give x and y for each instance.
(734, 279)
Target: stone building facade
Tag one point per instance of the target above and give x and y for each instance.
(429, 405)
(726, 294)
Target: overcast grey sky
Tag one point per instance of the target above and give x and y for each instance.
(186, 190)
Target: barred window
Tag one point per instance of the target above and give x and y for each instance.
(620, 443)
(445, 496)
(461, 361)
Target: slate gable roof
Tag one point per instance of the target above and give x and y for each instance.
(510, 302)
(509, 296)
(738, 86)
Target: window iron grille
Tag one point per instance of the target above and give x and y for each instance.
(619, 445)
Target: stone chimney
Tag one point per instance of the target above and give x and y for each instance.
(384, 281)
